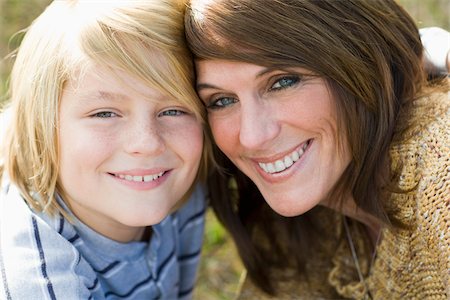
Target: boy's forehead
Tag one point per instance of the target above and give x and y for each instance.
(109, 84)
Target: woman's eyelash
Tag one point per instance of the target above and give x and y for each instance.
(285, 82)
(282, 82)
(221, 102)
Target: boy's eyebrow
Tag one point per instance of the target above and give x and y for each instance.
(102, 95)
(117, 97)
(111, 96)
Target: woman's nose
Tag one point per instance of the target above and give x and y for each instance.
(258, 123)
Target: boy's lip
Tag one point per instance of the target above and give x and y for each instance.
(140, 180)
(140, 175)
(140, 172)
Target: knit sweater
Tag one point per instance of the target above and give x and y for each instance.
(409, 263)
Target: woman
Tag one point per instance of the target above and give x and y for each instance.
(323, 111)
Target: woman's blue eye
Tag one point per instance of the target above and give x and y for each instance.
(285, 82)
(222, 102)
(104, 114)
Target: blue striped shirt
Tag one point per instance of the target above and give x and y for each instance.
(44, 257)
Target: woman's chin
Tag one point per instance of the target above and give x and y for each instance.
(290, 207)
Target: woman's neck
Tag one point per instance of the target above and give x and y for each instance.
(349, 209)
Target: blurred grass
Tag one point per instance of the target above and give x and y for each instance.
(220, 268)
(15, 15)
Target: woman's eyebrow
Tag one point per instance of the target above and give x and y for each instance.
(261, 73)
(265, 71)
(201, 86)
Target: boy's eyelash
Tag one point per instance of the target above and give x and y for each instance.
(104, 114)
(173, 112)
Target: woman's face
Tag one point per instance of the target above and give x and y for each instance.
(279, 127)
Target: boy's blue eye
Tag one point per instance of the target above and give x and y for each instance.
(285, 82)
(222, 102)
(172, 112)
(104, 114)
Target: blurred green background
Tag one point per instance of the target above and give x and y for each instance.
(220, 269)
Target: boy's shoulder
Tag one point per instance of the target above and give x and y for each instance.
(196, 201)
(19, 219)
(193, 209)
(32, 251)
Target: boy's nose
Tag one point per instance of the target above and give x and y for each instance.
(144, 138)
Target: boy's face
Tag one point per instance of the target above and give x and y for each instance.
(128, 152)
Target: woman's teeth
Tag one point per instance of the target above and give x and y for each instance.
(285, 163)
(145, 178)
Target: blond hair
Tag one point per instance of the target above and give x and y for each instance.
(143, 38)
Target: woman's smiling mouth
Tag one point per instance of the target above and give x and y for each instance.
(286, 162)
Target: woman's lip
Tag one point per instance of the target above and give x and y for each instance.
(287, 173)
(274, 158)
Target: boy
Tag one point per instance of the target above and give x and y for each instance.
(99, 198)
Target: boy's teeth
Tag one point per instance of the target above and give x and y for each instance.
(146, 178)
(285, 163)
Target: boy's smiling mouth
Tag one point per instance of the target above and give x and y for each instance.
(139, 178)
(145, 178)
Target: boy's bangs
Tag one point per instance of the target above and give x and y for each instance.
(170, 71)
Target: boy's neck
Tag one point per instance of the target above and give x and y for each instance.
(146, 234)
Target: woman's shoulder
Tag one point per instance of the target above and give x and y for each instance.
(431, 142)
(422, 157)
(424, 163)
(433, 162)
(424, 147)
(431, 115)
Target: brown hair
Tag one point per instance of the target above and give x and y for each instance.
(369, 53)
